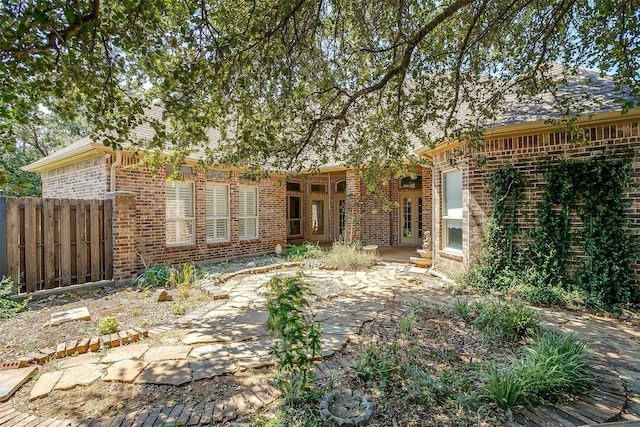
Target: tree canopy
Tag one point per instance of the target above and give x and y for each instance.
(298, 83)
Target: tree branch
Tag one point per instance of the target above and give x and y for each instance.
(63, 35)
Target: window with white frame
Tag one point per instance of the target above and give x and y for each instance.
(248, 212)
(452, 209)
(179, 209)
(217, 199)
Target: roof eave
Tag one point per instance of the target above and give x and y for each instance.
(81, 153)
(518, 129)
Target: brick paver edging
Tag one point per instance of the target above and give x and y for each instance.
(192, 414)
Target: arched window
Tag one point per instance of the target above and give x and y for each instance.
(341, 186)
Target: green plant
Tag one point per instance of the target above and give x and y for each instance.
(348, 257)
(108, 325)
(549, 368)
(296, 335)
(303, 251)
(183, 276)
(423, 388)
(378, 364)
(506, 388)
(499, 319)
(9, 307)
(407, 322)
(154, 276)
(177, 309)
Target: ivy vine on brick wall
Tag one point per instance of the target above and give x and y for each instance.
(594, 192)
(580, 242)
(497, 261)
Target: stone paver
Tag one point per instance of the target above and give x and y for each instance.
(169, 352)
(81, 359)
(12, 379)
(210, 351)
(225, 333)
(131, 351)
(125, 371)
(79, 375)
(44, 385)
(246, 349)
(205, 369)
(229, 334)
(168, 372)
(80, 313)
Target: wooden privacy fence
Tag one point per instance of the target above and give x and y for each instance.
(52, 243)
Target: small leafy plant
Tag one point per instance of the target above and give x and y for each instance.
(108, 325)
(183, 275)
(378, 364)
(296, 334)
(154, 276)
(9, 307)
(177, 309)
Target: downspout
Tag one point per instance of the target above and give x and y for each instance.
(330, 212)
(115, 164)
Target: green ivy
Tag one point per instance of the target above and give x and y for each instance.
(580, 242)
(498, 255)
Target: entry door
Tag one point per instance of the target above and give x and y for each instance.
(318, 219)
(411, 218)
(340, 215)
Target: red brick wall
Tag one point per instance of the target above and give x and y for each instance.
(83, 180)
(150, 211)
(526, 152)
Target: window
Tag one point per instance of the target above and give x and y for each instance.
(411, 183)
(341, 186)
(294, 216)
(294, 186)
(179, 213)
(217, 199)
(248, 212)
(318, 188)
(452, 209)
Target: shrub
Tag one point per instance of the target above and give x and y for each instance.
(348, 257)
(552, 366)
(296, 335)
(508, 321)
(108, 325)
(9, 307)
(303, 251)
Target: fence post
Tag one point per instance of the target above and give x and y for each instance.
(4, 269)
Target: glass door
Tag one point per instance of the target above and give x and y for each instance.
(317, 219)
(411, 219)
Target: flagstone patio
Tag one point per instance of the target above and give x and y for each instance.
(230, 335)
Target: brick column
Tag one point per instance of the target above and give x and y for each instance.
(354, 207)
(125, 235)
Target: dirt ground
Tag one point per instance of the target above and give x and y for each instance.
(436, 341)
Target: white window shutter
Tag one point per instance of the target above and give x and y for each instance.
(217, 200)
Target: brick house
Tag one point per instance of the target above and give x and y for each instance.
(218, 213)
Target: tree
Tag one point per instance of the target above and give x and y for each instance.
(43, 133)
(297, 83)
